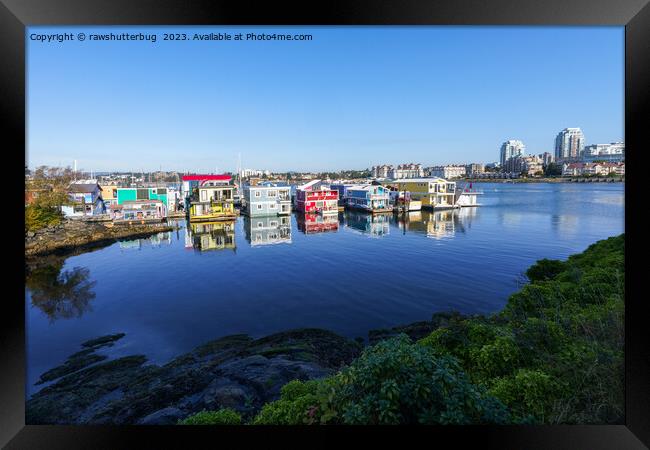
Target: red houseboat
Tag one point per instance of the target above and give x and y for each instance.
(316, 197)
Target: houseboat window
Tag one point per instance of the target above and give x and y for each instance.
(273, 193)
(204, 195)
(142, 194)
(258, 193)
(272, 206)
(259, 206)
(161, 191)
(273, 223)
(260, 224)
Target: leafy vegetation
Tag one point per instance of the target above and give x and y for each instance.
(221, 417)
(553, 355)
(556, 350)
(48, 187)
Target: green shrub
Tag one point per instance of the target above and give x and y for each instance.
(528, 392)
(37, 217)
(297, 400)
(220, 417)
(398, 382)
(545, 269)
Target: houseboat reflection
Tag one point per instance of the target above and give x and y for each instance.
(205, 236)
(267, 230)
(317, 223)
(374, 225)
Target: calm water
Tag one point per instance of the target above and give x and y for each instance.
(349, 274)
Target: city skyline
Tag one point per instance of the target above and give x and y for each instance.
(351, 98)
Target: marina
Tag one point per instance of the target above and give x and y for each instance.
(348, 272)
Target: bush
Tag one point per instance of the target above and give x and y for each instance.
(220, 417)
(297, 399)
(545, 269)
(37, 217)
(398, 382)
(530, 392)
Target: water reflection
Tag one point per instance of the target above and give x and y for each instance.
(268, 230)
(317, 223)
(205, 236)
(438, 224)
(60, 294)
(374, 225)
(155, 240)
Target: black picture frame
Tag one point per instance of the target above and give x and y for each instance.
(15, 15)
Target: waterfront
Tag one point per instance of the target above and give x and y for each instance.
(348, 275)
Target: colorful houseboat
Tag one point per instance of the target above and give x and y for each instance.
(138, 211)
(212, 201)
(268, 230)
(317, 197)
(401, 201)
(85, 199)
(368, 197)
(262, 201)
(123, 195)
(433, 193)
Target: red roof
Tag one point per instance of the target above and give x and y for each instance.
(197, 177)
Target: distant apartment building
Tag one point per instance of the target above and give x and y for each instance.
(614, 152)
(585, 168)
(547, 158)
(406, 171)
(510, 149)
(529, 164)
(448, 171)
(569, 144)
(474, 169)
(381, 171)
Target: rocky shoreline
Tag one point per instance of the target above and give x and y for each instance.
(75, 235)
(236, 372)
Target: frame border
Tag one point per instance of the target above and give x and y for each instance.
(16, 15)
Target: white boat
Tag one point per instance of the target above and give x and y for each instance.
(467, 196)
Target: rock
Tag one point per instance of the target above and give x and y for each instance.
(416, 330)
(232, 372)
(165, 416)
(31, 234)
(103, 341)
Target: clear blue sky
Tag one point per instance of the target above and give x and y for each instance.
(350, 98)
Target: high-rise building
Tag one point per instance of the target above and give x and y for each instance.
(547, 158)
(510, 149)
(604, 152)
(569, 144)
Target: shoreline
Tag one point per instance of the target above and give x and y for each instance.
(71, 236)
(544, 180)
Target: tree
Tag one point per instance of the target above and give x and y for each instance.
(553, 169)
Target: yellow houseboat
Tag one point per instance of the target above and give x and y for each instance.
(211, 201)
(434, 193)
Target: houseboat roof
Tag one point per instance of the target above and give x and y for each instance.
(86, 188)
(266, 187)
(199, 177)
(362, 187)
(309, 185)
